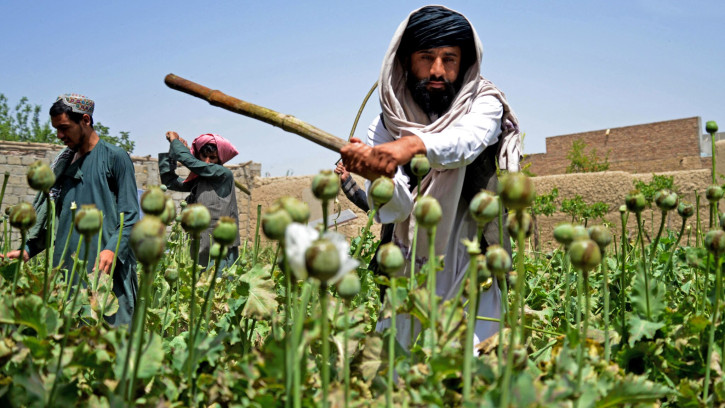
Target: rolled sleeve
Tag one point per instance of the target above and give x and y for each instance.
(460, 144)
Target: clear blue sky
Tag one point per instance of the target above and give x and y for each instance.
(565, 66)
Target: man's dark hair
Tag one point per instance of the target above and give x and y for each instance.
(208, 149)
(59, 108)
(435, 27)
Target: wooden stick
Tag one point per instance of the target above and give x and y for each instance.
(281, 120)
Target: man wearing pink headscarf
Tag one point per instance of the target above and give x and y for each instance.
(209, 183)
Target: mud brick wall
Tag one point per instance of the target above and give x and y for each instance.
(653, 147)
(15, 157)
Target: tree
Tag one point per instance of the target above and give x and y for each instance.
(581, 162)
(23, 125)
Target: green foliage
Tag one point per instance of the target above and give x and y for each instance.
(582, 162)
(243, 347)
(23, 124)
(657, 183)
(544, 204)
(581, 212)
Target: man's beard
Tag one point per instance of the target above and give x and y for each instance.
(436, 101)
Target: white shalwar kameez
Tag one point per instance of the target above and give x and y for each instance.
(478, 117)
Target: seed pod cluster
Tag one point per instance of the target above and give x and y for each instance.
(427, 212)
(40, 176)
(484, 207)
(325, 185)
(516, 191)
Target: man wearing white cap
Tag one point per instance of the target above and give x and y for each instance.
(91, 171)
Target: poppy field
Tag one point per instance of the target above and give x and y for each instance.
(608, 318)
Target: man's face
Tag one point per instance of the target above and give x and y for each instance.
(211, 158)
(438, 65)
(74, 135)
(433, 78)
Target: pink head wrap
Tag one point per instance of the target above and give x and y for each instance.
(225, 149)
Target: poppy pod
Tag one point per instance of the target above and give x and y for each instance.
(88, 220)
(40, 176)
(381, 191)
(715, 241)
(516, 191)
(585, 254)
(153, 201)
(169, 214)
(601, 235)
(666, 200)
(635, 201)
(390, 259)
(147, 240)
(484, 207)
(322, 260)
(349, 286)
(564, 234)
(685, 210)
(325, 185)
(427, 212)
(514, 226)
(22, 216)
(275, 221)
(713, 193)
(419, 165)
(498, 261)
(225, 231)
(195, 218)
(711, 127)
(298, 210)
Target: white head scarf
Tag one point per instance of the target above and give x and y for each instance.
(400, 111)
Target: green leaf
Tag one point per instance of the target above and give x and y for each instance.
(153, 356)
(632, 390)
(372, 356)
(639, 328)
(656, 296)
(262, 300)
(29, 311)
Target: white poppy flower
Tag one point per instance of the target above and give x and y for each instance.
(299, 237)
